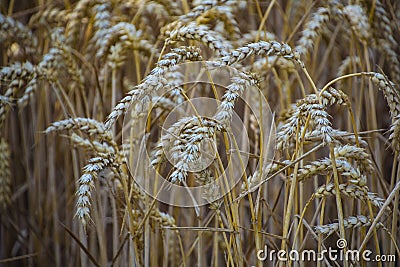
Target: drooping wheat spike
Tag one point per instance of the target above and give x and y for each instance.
(86, 185)
(119, 40)
(350, 222)
(261, 48)
(164, 103)
(202, 34)
(240, 82)
(50, 66)
(116, 57)
(13, 31)
(167, 140)
(347, 63)
(312, 30)
(202, 7)
(351, 190)
(182, 140)
(256, 178)
(49, 16)
(262, 66)
(17, 76)
(393, 99)
(323, 166)
(385, 35)
(210, 190)
(164, 11)
(153, 81)
(5, 174)
(395, 129)
(93, 145)
(358, 20)
(252, 36)
(286, 130)
(102, 16)
(29, 91)
(17, 71)
(163, 218)
(171, 7)
(71, 65)
(186, 148)
(222, 15)
(75, 19)
(342, 137)
(176, 79)
(197, 10)
(389, 90)
(328, 97)
(90, 126)
(126, 35)
(356, 153)
(319, 118)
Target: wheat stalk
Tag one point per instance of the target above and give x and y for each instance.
(5, 177)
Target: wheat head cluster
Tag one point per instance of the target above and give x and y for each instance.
(72, 70)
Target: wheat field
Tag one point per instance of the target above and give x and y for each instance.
(204, 133)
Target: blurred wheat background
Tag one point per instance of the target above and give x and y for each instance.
(329, 70)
